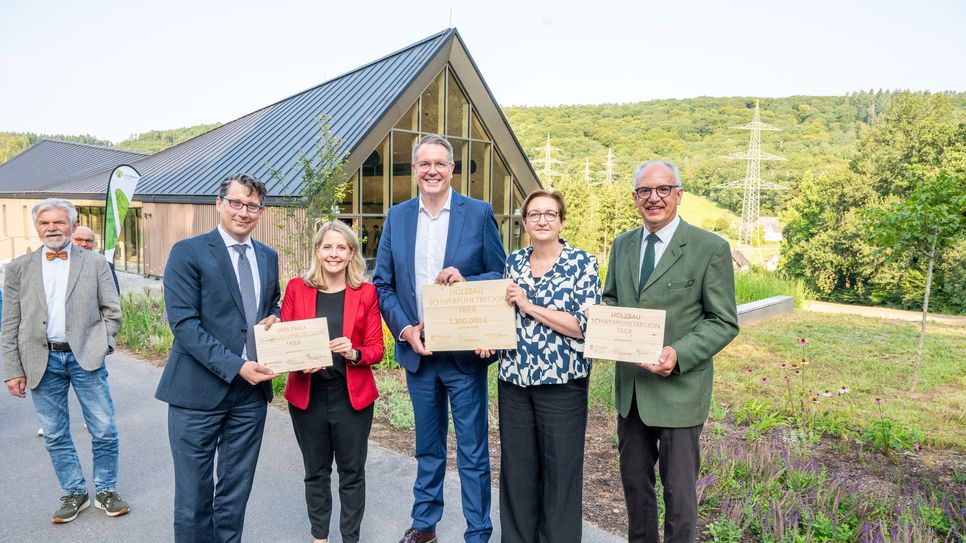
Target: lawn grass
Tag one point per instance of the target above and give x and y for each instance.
(872, 358)
(758, 284)
(698, 210)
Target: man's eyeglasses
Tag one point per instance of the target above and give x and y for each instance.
(549, 216)
(425, 165)
(663, 191)
(238, 204)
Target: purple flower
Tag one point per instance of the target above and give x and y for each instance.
(844, 390)
(803, 341)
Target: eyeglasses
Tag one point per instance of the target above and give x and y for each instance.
(238, 204)
(663, 191)
(425, 165)
(549, 216)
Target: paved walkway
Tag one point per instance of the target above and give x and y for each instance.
(884, 313)
(276, 510)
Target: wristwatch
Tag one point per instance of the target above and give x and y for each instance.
(357, 356)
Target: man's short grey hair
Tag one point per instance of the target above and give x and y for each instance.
(433, 139)
(640, 169)
(54, 203)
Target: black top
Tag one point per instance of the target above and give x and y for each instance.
(331, 305)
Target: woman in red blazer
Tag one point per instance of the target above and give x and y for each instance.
(331, 408)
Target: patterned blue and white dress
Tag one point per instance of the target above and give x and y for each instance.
(544, 356)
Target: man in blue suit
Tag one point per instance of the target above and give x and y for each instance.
(440, 237)
(217, 287)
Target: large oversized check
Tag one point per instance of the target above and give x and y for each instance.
(467, 315)
(294, 345)
(625, 334)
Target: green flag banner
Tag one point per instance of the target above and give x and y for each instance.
(120, 190)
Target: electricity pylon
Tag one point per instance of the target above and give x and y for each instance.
(752, 183)
(609, 171)
(548, 162)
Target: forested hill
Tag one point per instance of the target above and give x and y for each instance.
(12, 143)
(818, 134)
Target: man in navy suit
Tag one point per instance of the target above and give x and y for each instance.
(440, 237)
(217, 287)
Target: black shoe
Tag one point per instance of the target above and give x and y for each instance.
(415, 535)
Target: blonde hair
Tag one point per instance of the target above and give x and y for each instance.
(354, 272)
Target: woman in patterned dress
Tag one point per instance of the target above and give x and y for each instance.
(543, 383)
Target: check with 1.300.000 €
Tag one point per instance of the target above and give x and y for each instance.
(469, 315)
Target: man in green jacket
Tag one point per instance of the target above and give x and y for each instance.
(686, 271)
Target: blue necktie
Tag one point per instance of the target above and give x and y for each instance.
(647, 264)
(246, 284)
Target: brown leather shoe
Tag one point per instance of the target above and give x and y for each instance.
(414, 535)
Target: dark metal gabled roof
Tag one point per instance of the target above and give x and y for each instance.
(48, 163)
(274, 137)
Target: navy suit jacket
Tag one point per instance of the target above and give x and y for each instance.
(473, 246)
(206, 315)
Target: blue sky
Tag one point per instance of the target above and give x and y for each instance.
(115, 68)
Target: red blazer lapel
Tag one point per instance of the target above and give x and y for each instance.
(308, 302)
(352, 299)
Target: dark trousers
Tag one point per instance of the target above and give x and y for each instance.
(437, 387)
(330, 428)
(677, 453)
(542, 431)
(204, 512)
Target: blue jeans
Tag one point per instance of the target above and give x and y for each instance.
(50, 402)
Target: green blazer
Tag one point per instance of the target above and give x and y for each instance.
(694, 282)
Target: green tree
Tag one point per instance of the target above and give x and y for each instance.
(925, 223)
(919, 136)
(321, 171)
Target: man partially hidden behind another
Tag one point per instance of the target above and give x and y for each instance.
(60, 316)
(84, 237)
(668, 264)
(217, 287)
(440, 237)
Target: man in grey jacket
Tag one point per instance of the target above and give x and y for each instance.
(60, 315)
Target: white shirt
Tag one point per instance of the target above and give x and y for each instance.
(230, 242)
(431, 234)
(56, 272)
(665, 234)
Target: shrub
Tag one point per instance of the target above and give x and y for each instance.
(145, 327)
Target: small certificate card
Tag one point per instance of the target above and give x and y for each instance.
(625, 334)
(294, 345)
(467, 315)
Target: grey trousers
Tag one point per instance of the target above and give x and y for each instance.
(676, 451)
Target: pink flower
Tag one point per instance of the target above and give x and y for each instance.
(784, 366)
(803, 341)
(794, 366)
(764, 380)
(827, 394)
(918, 447)
(798, 372)
(814, 399)
(879, 401)
(844, 390)
(786, 378)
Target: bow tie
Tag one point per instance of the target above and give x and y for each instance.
(61, 255)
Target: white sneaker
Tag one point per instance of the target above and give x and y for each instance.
(40, 432)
